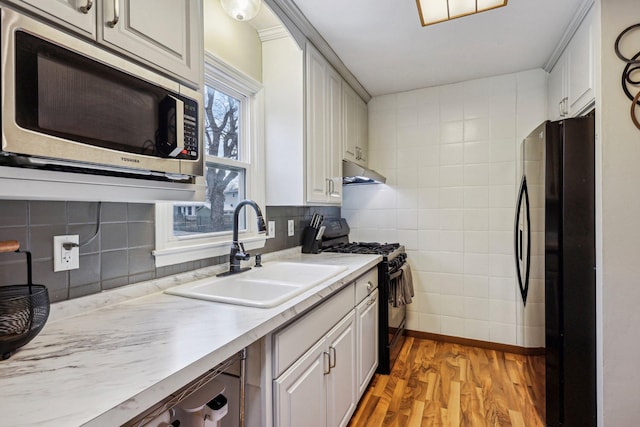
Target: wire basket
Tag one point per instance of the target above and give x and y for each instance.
(24, 309)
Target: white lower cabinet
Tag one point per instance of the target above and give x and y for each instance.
(367, 345)
(320, 388)
(323, 362)
(341, 377)
(300, 393)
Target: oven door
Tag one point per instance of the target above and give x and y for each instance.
(396, 319)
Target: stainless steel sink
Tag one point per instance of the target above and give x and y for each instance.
(268, 286)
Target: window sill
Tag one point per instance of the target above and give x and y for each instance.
(170, 256)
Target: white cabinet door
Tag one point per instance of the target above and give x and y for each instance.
(164, 33)
(333, 145)
(367, 335)
(300, 394)
(355, 143)
(317, 180)
(556, 90)
(341, 380)
(319, 389)
(570, 88)
(350, 139)
(581, 66)
(363, 132)
(324, 130)
(79, 15)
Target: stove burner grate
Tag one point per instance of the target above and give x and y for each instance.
(364, 248)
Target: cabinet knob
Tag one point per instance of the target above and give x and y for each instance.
(369, 286)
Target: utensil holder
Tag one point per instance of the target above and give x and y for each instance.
(309, 243)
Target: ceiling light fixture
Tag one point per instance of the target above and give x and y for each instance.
(242, 10)
(434, 11)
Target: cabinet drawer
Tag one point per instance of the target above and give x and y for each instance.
(292, 341)
(366, 283)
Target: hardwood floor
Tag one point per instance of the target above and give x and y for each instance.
(449, 385)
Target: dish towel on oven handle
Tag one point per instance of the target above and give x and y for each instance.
(402, 287)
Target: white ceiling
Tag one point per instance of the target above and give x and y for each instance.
(385, 47)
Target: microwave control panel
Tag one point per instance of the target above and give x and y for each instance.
(178, 113)
(191, 148)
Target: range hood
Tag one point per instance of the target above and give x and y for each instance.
(355, 174)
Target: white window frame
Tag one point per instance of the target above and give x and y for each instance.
(172, 249)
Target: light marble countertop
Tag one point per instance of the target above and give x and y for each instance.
(103, 359)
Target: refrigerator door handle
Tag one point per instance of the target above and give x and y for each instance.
(523, 282)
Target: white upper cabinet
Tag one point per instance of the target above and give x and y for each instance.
(556, 90)
(355, 139)
(79, 15)
(581, 67)
(324, 130)
(571, 84)
(283, 80)
(164, 34)
(303, 125)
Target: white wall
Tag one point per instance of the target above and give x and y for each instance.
(449, 154)
(236, 43)
(619, 232)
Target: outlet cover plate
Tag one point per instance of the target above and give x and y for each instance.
(290, 228)
(64, 259)
(271, 233)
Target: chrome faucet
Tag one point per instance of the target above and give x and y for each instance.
(238, 253)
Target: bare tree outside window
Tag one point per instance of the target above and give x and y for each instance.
(221, 121)
(225, 184)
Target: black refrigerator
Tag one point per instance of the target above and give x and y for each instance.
(558, 168)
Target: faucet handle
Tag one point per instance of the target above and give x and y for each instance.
(241, 254)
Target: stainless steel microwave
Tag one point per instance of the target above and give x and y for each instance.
(68, 104)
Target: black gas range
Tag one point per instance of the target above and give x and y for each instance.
(392, 317)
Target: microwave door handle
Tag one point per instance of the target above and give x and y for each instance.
(180, 123)
(116, 14)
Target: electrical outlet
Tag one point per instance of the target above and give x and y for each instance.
(290, 228)
(271, 233)
(66, 258)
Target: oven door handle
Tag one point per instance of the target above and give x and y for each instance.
(396, 274)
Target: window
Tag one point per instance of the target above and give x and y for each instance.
(232, 110)
(225, 164)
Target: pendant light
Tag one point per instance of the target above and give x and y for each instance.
(434, 11)
(241, 10)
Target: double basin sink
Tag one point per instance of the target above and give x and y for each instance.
(264, 287)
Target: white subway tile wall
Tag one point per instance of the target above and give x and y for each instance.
(450, 154)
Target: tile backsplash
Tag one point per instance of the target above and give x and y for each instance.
(120, 253)
(449, 154)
